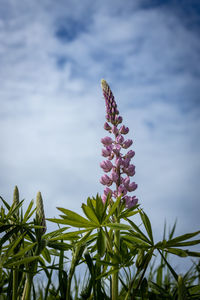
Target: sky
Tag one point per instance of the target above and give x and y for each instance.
(53, 55)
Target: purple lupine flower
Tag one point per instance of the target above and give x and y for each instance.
(106, 141)
(130, 154)
(106, 165)
(106, 180)
(127, 144)
(105, 194)
(114, 176)
(124, 130)
(115, 130)
(121, 170)
(130, 201)
(130, 171)
(105, 152)
(120, 139)
(107, 126)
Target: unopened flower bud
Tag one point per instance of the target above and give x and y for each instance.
(40, 216)
(16, 196)
(124, 130)
(115, 130)
(120, 139)
(119, 119)
(107, 126)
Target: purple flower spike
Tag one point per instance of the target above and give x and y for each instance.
(112, 150)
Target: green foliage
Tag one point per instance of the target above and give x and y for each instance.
(120, 257)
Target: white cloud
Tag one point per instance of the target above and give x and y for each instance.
(52, 116)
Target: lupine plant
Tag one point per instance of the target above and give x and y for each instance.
(118, 256)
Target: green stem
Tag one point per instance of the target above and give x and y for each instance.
(27, 288)
(15, 283)
(115, 276)
(31, 272)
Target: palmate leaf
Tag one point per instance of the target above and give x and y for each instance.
(28, 247)
(136, 228)
(147, 224)
(66, 221)
(16, 242)
(169, 266)
(117, 226)
(92, 204)
(72, 215)
(28, 212)
(75, 219)
(99, 208)
(5, 203)
(6, 237)
(90, 214)
(129, 212)
(159, 290)
(193, 253)
(181, 238)
(59, 245)
(12, 262)
(13, 209)
(68, 236)
(113, 209)
(55, 233)
(101, 242)
(111, 272)
(177, 251)
(135, 240)
(4, 228)
(184, 244)
(45, 253)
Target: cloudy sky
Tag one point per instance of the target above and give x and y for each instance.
(53, 55)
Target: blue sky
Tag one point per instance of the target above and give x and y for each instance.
(53, 55)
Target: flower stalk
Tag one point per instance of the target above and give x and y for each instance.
(118, 168)
(39, 220)
(15, 269)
